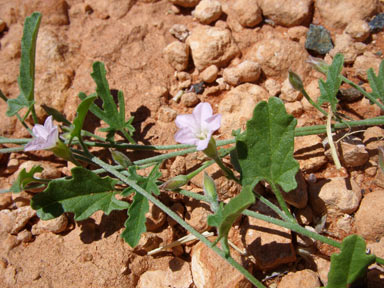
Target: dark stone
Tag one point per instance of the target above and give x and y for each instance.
(377, 23)
(197, 88)
(318, 39)
(349, 95)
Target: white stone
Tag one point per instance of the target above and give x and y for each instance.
(294, 108)
(366, 61)
(338, 14)
(56, 225)
(180, 32)
(335, 196)
(358, 30)
(209, 74)
(344, 45)
(179, 277)
(209, 270)
(287, 13)
(276, 55)
(247, 71)
(288, 93)
(369, 220)
(211, 45)
(177, 55)
(237, 106)
(207, 11)
(300, 279)
(248, 12)
(309, 152)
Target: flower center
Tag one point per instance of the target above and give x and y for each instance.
(202, 134)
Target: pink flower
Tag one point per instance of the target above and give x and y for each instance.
(46, 136)
(198, 127)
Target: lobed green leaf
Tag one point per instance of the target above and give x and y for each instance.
(82, 195)
(24, 178)
(377, 82)
(265, 152)
(330, 88)
(26, 78)
(135, 224)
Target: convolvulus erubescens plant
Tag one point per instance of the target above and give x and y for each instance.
(262, 152)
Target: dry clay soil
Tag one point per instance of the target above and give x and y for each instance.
(91, 253)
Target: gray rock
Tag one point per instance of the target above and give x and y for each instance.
(377, 23)
(318, 39)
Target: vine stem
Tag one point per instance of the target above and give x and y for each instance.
(282, 203)
(177, 218)
(365, 93)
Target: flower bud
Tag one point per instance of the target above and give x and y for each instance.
(211, 150)
(295, 81)
(209, 187)
(319, 64)
(120, 158)
(175, 182)
(62, 150)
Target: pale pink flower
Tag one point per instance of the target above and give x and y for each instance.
(197, 128)
(46, 136)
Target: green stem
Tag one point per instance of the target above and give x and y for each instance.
(177, 218)
(365, 93)
(282, 203)
(126, 135)
(313, 103)
(330, 141)
(294, 227)
(201, 168)
(275, 209)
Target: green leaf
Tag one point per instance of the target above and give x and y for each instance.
(135, 224)
(26, 78)
(58, 116)
(265, 152)
(82, 111)
(330, 88)
(83, 195)
(377, 82)
(351, 264)
(147, 183)
(24, 178)
(224, 217)
(109, 112)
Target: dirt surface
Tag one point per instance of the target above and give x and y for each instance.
(130, 37)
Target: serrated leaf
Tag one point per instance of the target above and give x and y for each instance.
(135, 224)
(26, 78)
(351, 264)
(329, 88)
(377, 82)
(109, 113)
(24, 178)
(82, 111)
(224, 217)
(82, 195)
(147, 183)
(266, 149)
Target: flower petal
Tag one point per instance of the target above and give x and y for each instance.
(39, 131)
(202, 111)
(213, 123)
(186, 120)
(185, 136)
(48, 124)
(35, 144)
(202, 144)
